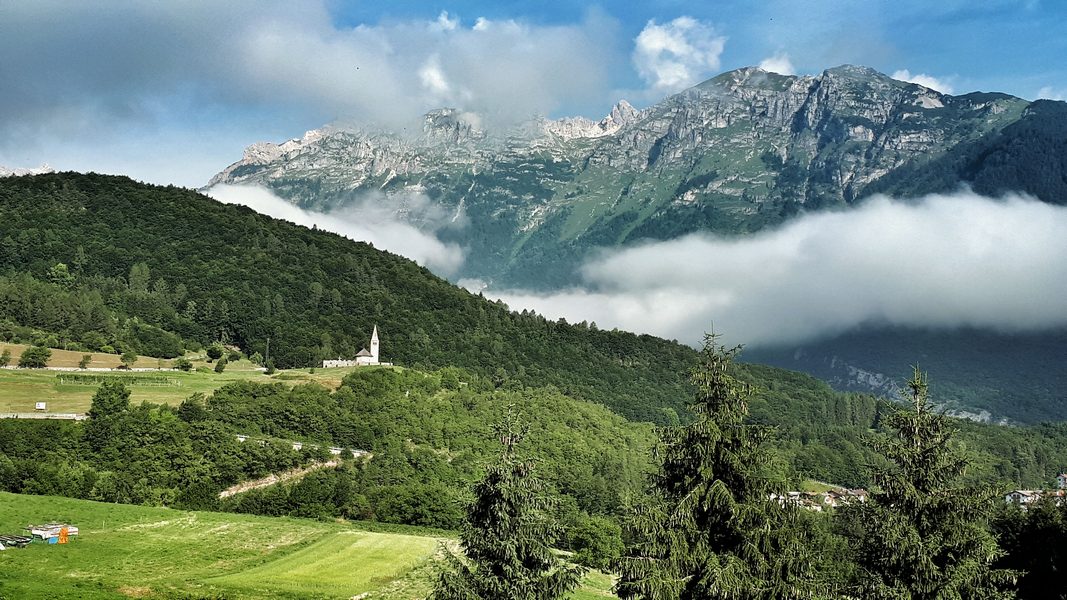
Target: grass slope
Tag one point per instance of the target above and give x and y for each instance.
(20, 389)
(342, 563)
(136, 551)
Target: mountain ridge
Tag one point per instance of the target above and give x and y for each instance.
(734, 154)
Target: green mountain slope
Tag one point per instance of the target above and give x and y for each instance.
(222, 272)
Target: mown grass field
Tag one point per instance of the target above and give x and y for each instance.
(20, 389)
(143, 552)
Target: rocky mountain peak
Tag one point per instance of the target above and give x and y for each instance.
(450, 125)
(621, 115)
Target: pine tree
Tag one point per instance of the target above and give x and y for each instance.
(925, 537)
(710, 528)
(508, 534)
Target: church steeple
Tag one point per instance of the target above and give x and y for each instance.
(374, 344)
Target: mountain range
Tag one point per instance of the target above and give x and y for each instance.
(742, 152)
(735, 154)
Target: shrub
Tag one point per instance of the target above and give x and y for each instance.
(35, 357)
(214, 351)
(128, 358)
(183, 364)
(221, 365)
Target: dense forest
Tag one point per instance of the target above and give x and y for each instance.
(95, 261)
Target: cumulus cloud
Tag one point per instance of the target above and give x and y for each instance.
(934, 83)
(778, 63)
(678, 54)
(1050, 93)
(942, 261)
(388, 225)
(101, 70)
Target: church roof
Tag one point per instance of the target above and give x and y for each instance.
(364, 352)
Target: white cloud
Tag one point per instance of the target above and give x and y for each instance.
(678, 54)
(934, 83)
(943, 261)
(97, 72)
(447, 23)
(1049, 93)
(368, 220)
(779, 63)
(433, 80)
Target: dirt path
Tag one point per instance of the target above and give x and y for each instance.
(273, 478)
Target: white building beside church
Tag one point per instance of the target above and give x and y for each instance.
(364, 358)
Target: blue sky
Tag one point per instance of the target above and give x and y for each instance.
(172, 92)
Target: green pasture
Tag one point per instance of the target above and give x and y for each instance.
(20, 389)
(343, 563)
(126, 551)
(135, 551)
(71, 392)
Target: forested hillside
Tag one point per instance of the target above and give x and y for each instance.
(1028, 156)
(115, 261)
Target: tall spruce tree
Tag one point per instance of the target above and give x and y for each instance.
(924, 537)
(508, 534)
(710, 528)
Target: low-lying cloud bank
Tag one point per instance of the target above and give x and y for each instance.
(370, 219)
(942, 261)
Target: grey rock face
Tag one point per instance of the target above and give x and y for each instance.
(734, 154)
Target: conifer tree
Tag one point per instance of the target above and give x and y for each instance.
(508, 534)
(710, 528)
(925, 537)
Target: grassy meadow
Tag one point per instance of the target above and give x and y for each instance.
(20, 389)
(144, 552)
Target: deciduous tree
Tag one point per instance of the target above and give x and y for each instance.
(35, 357)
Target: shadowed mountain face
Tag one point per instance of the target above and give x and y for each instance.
(742, 152)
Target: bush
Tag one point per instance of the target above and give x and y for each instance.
(35, 357)
(221, 365)
(596, 542)
(183, 364)
(84, 362)
(233, 356)
(128, 358)
(214, 351)
(5, 358)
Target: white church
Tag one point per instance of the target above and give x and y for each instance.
(364, 358)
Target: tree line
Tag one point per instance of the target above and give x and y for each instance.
(711, 523)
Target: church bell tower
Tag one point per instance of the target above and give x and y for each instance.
(374, 345)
